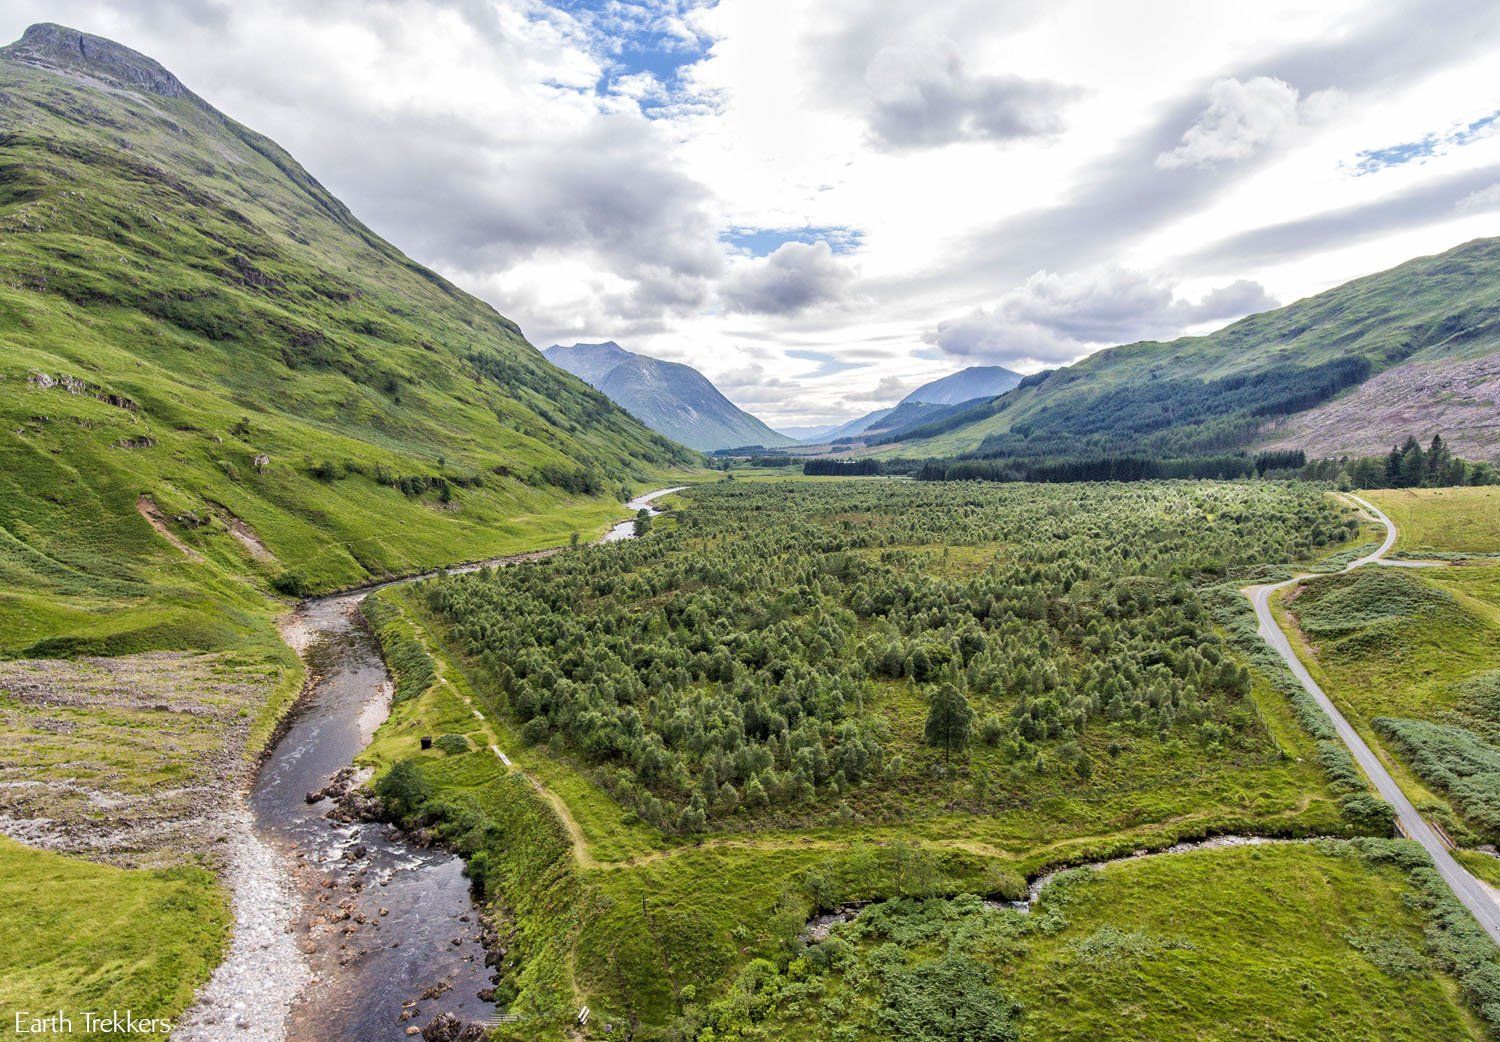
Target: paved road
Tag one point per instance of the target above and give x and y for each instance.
(1475, 897)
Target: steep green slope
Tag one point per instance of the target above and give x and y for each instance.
(1230, 388)
(198, 337)
(669, 397)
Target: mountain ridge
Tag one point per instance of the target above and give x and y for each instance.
(47, 45)
(1434, 311)
(287, 371)
(669, 397)
(966, 385)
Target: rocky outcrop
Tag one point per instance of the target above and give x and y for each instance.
(445, 1027)
(57, 47)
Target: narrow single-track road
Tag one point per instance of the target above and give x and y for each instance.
(1475, 897)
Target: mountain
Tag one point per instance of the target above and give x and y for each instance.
(212, 373)
(808, 434)
(966, 385)
(857, 426)
(669, 397)
(1412, 350)
(977, 381)
(889, 424)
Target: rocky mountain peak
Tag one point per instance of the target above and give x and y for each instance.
(50, 46)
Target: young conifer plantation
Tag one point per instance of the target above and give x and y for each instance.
(732, 670)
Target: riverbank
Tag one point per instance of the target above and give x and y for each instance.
(307, 958)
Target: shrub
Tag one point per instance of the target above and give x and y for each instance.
(403, 790)
(452, 744)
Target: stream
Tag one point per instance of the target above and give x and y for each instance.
(820, 926)
(389, 930)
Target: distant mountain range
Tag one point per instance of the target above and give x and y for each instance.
(1413, 350)
(808, 434)
(977, 381)
(966, 385)
(669, 397)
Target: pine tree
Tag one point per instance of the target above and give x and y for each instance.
(949, 721)
(1439, 462)
(1413, 468)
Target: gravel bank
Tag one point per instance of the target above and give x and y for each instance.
(249, 995)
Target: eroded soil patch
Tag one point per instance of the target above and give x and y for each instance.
(131, 760)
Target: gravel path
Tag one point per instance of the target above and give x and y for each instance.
(248, 997)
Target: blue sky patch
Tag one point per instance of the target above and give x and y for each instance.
(1371, 160)
(827, 364)
(642, 36)
(759, 242)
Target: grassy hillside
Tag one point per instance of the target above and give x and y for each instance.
(1412, 655)
(179, 299)
(1229, 389)
(217, 389)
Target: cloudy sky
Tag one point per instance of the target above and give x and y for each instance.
(822, 205)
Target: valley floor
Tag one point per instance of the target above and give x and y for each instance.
(668, 932)
(699, 932)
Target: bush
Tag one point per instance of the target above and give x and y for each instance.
(412, 668)
(1456, 760)
(290, 583)
(452, 744)
(403, 790)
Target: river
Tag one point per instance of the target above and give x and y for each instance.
(389, 931)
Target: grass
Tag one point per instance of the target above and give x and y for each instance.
(1393, 642)
(1412, 656)
(1395, 648)
(1283, 942)
(115, 939)
(1292, 941)
(1443, 520)
(1483, 865)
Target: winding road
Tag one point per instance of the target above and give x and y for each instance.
(1474, 895)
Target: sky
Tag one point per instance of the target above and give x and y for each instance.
(823, 205)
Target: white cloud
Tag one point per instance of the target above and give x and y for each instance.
(751, 386)
(544, 155)
(1481, 200)
(1053, 319)
(793, 278)
(923, 96)
(1244, 117)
